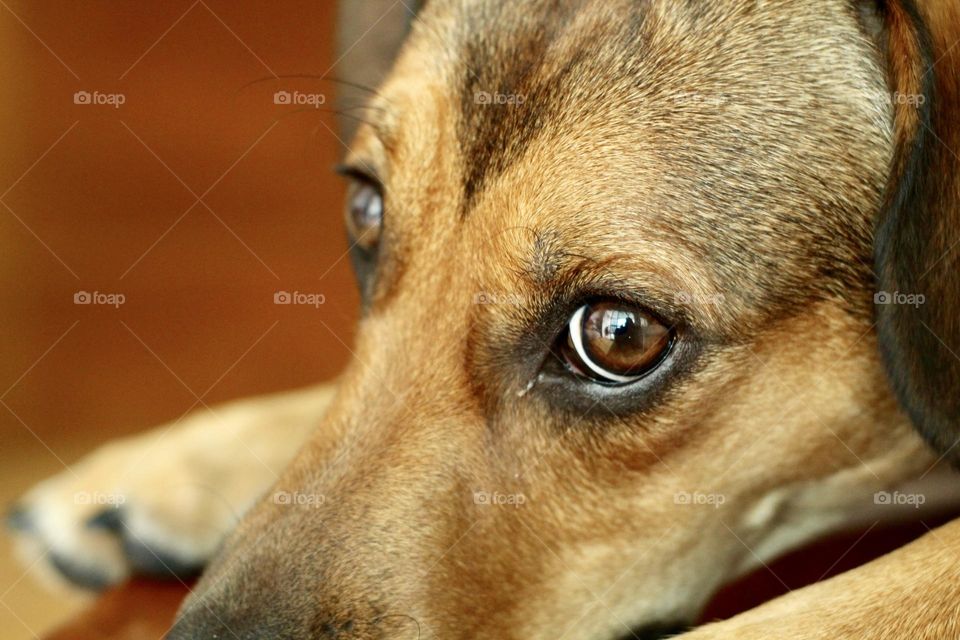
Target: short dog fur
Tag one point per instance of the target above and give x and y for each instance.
(757, 172)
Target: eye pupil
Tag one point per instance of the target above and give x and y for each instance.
(613, 326)
(615, 342)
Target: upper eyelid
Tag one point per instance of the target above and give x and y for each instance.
(364, 173)
(556, 306)
(658, 292)
(585, 291)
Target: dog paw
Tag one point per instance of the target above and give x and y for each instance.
(160, 504)
(156, 505)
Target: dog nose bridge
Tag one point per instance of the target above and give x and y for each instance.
(344, 522)
(324, 551)
(212, 623)
(419, 381)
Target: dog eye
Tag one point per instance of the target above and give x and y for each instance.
(365, 214)
(614, 342)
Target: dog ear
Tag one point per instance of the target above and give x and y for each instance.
(917, 242)
(369, 35)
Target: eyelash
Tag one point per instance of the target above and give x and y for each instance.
(363, 174)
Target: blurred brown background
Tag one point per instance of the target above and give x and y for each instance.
(100, 198)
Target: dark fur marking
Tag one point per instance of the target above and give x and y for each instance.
(495, 135)
(919, 344)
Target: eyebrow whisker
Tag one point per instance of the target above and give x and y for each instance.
(308, 76)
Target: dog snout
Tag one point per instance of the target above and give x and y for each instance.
(210, 621)
(229, 616)
(190, 628)
(304, 564)
(209, 626)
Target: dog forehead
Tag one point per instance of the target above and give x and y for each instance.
(766, 159)
(540, 68)
(765, 152)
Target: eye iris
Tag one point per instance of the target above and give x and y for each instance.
(365, 216)
(616, 342)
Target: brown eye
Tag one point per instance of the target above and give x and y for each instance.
(364, 214)
(615, 342)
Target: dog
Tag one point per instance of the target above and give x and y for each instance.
(653, 292)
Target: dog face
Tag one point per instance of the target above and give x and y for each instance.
(617, 344)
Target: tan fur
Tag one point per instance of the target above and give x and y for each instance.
(739, 190)
(913, 593)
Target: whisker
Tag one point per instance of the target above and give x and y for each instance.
(336, 112)
(366, 105)
(309, 76)
(351, 117)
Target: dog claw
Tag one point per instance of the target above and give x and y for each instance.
(18, 518)
(81, 577)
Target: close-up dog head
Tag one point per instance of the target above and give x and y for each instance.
(636, 319)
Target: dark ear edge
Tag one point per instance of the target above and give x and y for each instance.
(369, 35)
(916, 248)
